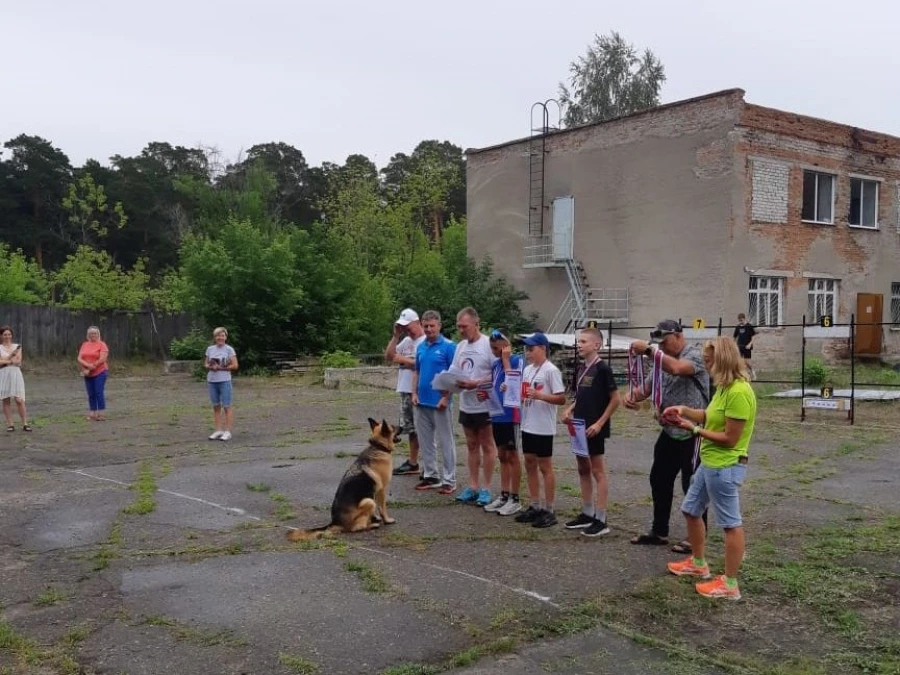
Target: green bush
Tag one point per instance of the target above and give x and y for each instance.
(339, 359)
(817, 373)
(191, 347)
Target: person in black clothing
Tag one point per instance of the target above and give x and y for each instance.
(596, 399)
(743, 335)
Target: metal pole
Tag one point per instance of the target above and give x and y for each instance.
(609, 345)
(803, 370)
(720, 327)
(852, 368)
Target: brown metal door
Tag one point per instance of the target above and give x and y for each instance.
(867, 341)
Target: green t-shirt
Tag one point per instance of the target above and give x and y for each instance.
(738, 402)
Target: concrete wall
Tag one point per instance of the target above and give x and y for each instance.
(652, 208)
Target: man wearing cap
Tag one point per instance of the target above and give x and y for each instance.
(683, 381)
(401, 350)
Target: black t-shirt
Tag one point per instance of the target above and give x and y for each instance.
(593, 391)
(743, 335)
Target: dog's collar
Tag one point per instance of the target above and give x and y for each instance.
(378, 444)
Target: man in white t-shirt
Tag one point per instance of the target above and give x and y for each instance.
(474, 359)
(542, 391)
(401, 350)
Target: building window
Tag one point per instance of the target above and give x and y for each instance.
(895, 305)
(766, 301)
(822, 297)
(863, 203)
(818, 197)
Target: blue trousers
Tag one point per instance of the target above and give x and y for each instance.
(95, 386)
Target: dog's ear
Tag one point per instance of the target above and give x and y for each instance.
(372, 424)
(386, 429)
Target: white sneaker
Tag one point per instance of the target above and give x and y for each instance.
(216, 435)
(496, 504)
(226, 436)
(510, 507)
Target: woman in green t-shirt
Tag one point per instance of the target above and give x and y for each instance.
(724, 430)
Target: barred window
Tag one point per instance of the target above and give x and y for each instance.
(895, 304)
(822, 296)
(766, 301)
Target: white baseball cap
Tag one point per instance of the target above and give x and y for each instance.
(407, 316)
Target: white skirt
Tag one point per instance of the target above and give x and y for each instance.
(11, 382)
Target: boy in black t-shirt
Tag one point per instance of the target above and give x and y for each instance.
(596, 399)
(743, 335)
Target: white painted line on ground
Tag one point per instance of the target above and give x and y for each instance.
(227, 509)
(521, 591)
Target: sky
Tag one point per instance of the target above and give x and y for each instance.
(334, 78)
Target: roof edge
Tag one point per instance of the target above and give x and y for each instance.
(674, 104)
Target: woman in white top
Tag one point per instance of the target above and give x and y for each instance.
(12, 384)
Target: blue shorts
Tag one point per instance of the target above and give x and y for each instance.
(220, 393)
(719, 488)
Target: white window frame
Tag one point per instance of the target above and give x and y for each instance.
(895, 305)
(818, 175)
(762, 288)
(862, 181)
(821, 294)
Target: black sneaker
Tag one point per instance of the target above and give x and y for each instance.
(529, 515)
(546, 519)
(432, 483)
(596, 529)
(582, 521)
(406, 469)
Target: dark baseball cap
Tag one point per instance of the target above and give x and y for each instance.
(536, 340)
(664, 328)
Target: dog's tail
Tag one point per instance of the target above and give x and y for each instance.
(315, 533)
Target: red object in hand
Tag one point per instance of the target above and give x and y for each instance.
(672, 418)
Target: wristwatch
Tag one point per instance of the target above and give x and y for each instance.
(696, 430)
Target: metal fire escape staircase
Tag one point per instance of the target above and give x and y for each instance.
(550, 241)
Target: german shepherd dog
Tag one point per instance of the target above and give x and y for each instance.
(362, 490)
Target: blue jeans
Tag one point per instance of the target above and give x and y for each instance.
(719, 488)
(220, 393)
(95, 386)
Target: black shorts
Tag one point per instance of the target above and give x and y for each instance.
(506, 436)
(745, 353)
(474, 420)
(596, 446)
(536, 444)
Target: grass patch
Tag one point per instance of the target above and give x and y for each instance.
(373, 581)
(109, 550)
(49, 597)
(258, 487)
(297, 664)
(145, 486)
(31, 657)
(283, 509)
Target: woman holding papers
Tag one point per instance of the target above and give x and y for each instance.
(596, 399)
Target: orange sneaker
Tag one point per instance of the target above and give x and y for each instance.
(717, 588)
(687, 568)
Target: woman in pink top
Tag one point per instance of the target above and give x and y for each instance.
(92, 358)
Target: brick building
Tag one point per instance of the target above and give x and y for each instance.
(701, 208)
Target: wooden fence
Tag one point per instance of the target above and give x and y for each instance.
(55, 331)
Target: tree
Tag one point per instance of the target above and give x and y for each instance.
(86, 204)
(611, 80)
(21, 280)
(91, 280)
(39, 176)
(432, 180)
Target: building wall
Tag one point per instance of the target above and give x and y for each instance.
(771, 152)
(652, 208)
